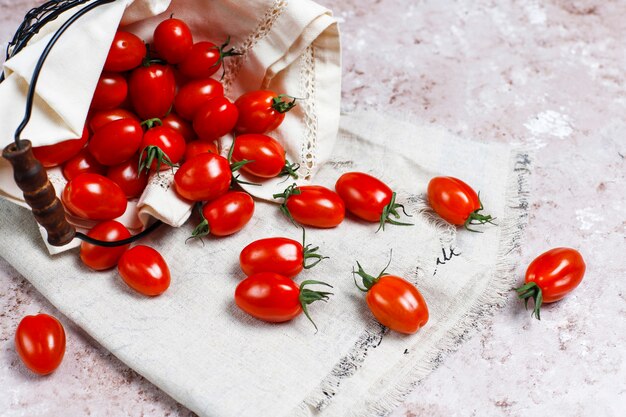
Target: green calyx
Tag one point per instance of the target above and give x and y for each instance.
(389, 210)
(289, 191)
(282, 106)
(368, 280)
(476, 218)
(528, 291)
(148, 60)
(202, 229)
(310, 253)
(236, 166)
(289, 170)
(150, 154)
(223, 54)
(150, 123)
(308, 296)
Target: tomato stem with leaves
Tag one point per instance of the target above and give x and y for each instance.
(310, 253)
(223, 54)
(153, 153)
(369, 280)
(476, 218)
(308, 296)
(290, 170)
(283, 106)
(289, 191)
(391, 209)
(236, 166)
(202, 229)
(531, 290)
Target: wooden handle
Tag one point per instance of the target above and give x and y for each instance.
(39, 193)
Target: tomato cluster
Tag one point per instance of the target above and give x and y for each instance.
(161, 107)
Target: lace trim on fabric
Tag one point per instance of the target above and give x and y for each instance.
(307, 90)
(234, 64)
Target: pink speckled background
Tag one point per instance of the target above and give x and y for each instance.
(545, 74)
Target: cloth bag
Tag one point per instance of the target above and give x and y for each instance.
(195, 344)
(288, 46)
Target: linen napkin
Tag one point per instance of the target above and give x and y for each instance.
(195, 344)
(288, 46)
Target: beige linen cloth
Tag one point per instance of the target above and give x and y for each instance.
(195, 344)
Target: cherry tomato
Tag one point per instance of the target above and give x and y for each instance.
(172, 40)
(194, 94)
(180, 125)
(128, 177)
(53, 155)
(215, 118)
(203, 177)
(40, 343)
(280, 255)
(204, 59)
(394, 301)
(225, 215)
(144, 270)
(116, 142)
(267, 156)
(103, 117)
(92, 196)
(261, 111)
(200, 146)
(456, 202)
(369, 198)
(111, 91)
(82, 162)
(275, 298)
(127, 52)
(160, 142)
(551, 276)
(313, 205)
(152, 90)
(100, 258)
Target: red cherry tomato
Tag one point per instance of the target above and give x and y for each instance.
(180, 125)
(266, 154)
(394, 301)
(369, 198)
(100, 258)
(92, 196)
(199, 146)
(172, 40)
(40, 343)
(203, 178)
(169, 142)
(456, 202)
(53, 155)
(103, 117)
(128, 177)
(280, 255)
(127, 52)
(313, 205)
(144, 270)
(275, 298)
(116, 142)
(215, 118)
(225, 215)
(551, 276)
(261, 111)
(204, 59)
(111, 91)
(152, 90)
(194, 94)
(81, 163)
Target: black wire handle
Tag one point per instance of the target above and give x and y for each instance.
(28, 172)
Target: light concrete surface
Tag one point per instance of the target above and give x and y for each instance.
(546, 75)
